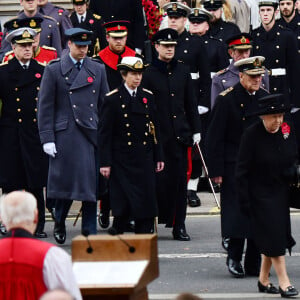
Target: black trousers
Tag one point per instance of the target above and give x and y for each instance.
(252, 256)
(145, 225)
(38, 194)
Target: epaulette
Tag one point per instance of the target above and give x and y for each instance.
(222, 71)
(48, 48)
(148, 91)
(224, 93)
(50, 18)
(9, 55)
(54, 61)
(97, 17)
(112, 92)
(261, 87)
(180, 61)
(4, 63)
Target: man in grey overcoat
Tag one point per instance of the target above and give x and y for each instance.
(71, 93)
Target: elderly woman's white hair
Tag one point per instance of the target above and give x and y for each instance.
(17, 207)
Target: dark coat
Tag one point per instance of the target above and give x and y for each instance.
(223, 30)
(68, 114)
(279, 48)
(50, 35)
(191, 50)
(130, 10)
(178, 117)
(93, 23)
(128, 147)
(262, 188)
(61, 15)
(23, 162)
(228, 121)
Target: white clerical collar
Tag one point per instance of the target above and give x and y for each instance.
(130, 91)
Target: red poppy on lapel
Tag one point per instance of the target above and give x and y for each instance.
(285, 129)
(91, 21)
(38, 75)
(90, 79)
(145, 100)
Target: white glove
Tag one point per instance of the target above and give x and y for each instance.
(202, 110)
(196, 138)
(50, 149)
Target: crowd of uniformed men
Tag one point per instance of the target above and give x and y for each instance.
(87, 92)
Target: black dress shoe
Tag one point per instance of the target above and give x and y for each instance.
(41, 234)
(103, 219)
(193, 199)
(225, 243)
(290, 291)
(59, 233)
(3, 229)
(269, 289)
(235, 268)
(180, 235)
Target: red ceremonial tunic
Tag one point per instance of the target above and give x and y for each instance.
(21, 266)
(44, 55)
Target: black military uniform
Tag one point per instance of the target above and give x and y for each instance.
(23, 163)
(91, 22)
(178, 117)
(130, 10)
(230, 117)
(278, 46)
(130, 145)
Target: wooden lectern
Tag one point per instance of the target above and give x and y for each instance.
(111, 271)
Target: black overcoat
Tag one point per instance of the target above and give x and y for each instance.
(127, 146)
(228, 121)
(263, 158)
(22, 160)
(223, 30)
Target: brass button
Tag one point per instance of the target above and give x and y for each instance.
(123, 105)
(146, 106)
(91, 119)
(277, 61)
(278, 33)
(50, 25)
(67, 78)
(77, 120)
(38, 88)
(244, 119)
(170, 73)
(257, 47)
(74, 106)
(223, 80)
(127, 125)
(94, 91)
(146, 133)
(20, 120)
(128, 133)
(147, 124)
(35, 109)
(144, 143)
(178, 138)
(172, 95)
(242, 105)
(129, 143)
(185, 51)
(125, 115)
(19, 109)
(70, 93)
(174, 117)
(36, 99)
(92, 105)
(277, 46)
(18, 99)
(147, 116)
(275, 89)
(16, 89)
(34, 120)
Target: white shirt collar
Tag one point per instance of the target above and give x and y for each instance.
(130, 91)
(27, 64)
(79, 17)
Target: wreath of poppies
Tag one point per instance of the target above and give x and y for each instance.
(153, 15)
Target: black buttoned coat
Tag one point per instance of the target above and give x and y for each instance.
(279, 48)
(68, 115)
(223, 30)
(22, 160)
(127, 146)
(229, 119)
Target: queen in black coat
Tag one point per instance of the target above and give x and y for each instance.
(265, 155)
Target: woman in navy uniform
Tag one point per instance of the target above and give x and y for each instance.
(130, 149)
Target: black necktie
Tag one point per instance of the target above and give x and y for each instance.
(82, 19)
(24, 67)
(78, 65)
(133, 94)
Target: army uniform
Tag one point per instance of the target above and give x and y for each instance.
(93, 23)
(23, 163)
(61, 16)
(128, 146)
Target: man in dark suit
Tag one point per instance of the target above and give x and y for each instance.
(230, 117)
(130, 10)
(23, 163)
(71, 94)
(171, 83)
(82, 17)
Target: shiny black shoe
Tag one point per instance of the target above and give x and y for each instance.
(40, 234)
(225, 243)
(180, 235)
(3, 229)
(235, 268)
(269, 289)
(290, 291)
(103, 219)
(59, 233)
(193, 199)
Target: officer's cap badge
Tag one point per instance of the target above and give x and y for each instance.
(196, 12)
(15, 25)
(32, 23)
(257, 63)
(243, 40)
(138, 65)
(26, 34)
(84, 36)
(174, 6)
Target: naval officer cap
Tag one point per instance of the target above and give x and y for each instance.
(165, 36)
(273, 3)
(200, 15)
(34, 23)
(116, 28)
(131, 63)
(21, 36)
(176, 9)
(239, 41)
(212, 4)
(79, 36)
(11, 24)
(79, 2)
(251, 66)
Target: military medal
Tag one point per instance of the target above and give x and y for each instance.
(285, 129)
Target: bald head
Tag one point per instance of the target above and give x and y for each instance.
(18, 209)
(57, 295)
